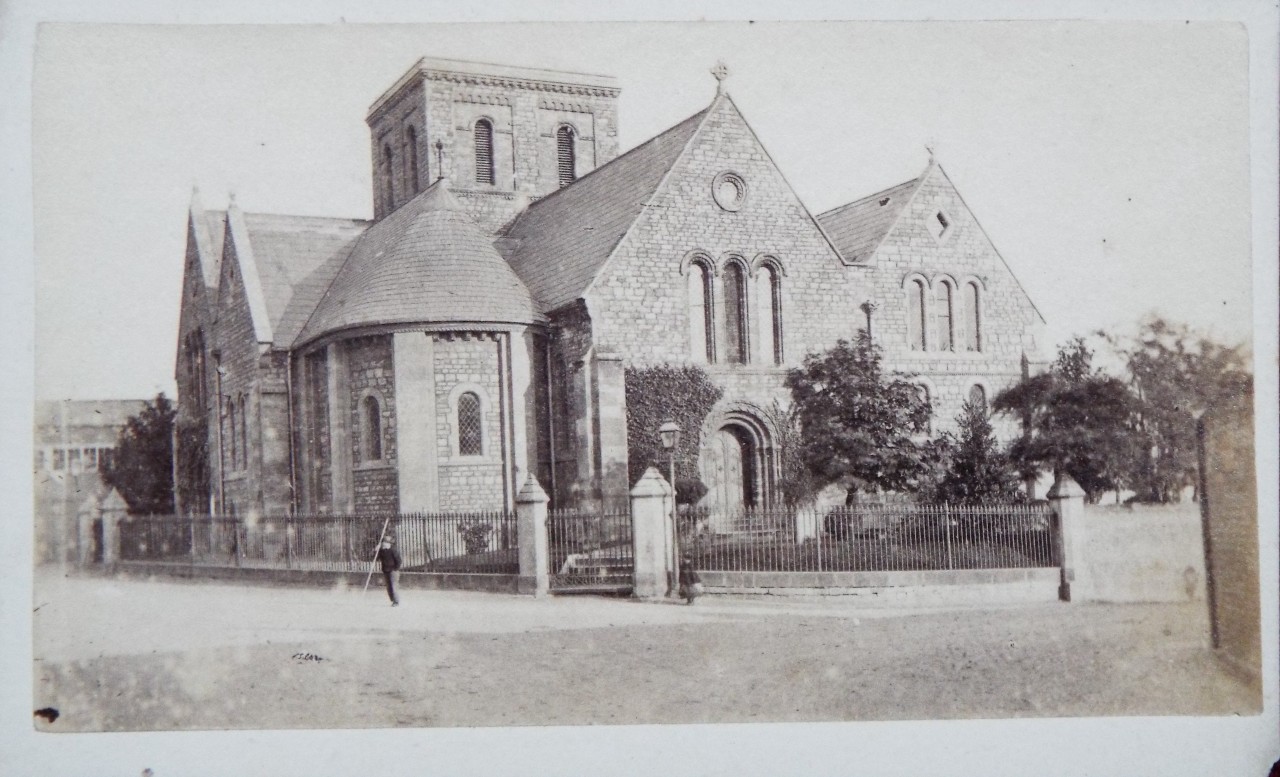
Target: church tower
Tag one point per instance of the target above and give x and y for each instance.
(502, 136)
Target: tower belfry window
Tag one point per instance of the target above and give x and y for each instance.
(388, 177)
(411, 145)
(566, 156)
(484, 152)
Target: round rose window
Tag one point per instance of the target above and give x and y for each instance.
(729, 190)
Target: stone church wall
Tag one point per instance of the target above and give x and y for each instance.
(1009, 321)
(372, 372)
(468, 363)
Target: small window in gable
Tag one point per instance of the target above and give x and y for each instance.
(939, 225)
(470, 427)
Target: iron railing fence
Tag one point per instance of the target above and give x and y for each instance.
(871, 537)
(472, 542)
(590, 548)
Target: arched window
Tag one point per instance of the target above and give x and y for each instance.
(244, 434)
(972, 318)
(735, 313)
(915, 315)
(231, 425)
(566, 156)
(702, 338)
(388, 177)
(978, 396)
(411, 146)
(769, 313)
(926, 427)
(943, 318)
(371, 433)
(470, 425)
(484, 152)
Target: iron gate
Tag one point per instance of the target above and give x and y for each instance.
(590, 551)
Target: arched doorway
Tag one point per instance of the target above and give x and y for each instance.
(738, 462)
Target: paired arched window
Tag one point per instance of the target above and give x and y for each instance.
(484, 152)
(916, 315)
(470, 425)
(943, 319)
(769, 312)
(735, 313)
(702, 338)
(411, 146)
(388, 177)
(978, 396)
(566, 156)
(371, 429)
(972, 316)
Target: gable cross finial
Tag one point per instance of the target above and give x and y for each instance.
(721, 72)
(932, 153)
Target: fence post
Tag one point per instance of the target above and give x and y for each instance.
(649, 535)
(531, 538)
(946, 522)
(114, 510)
(1067, 498)
(89, 511)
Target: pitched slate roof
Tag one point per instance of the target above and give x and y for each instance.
(858, 227)
(427, 262)
(288, 250)
(559, 243)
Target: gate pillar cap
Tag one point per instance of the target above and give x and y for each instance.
(114, 503)
(531, 491)
(90, 505)
(1065, 487)
(651, 483)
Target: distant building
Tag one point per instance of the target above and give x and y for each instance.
(478, 329)
(74, 439)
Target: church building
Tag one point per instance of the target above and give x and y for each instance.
(478, 328)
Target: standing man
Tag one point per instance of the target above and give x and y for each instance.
(389, 557)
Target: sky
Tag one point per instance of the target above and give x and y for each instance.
(1109, 163)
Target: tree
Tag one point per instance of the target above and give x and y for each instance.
(656, 395)
(142, 468)
(1176, 375)
(858, 423)
(1076, 420)
(977, 470)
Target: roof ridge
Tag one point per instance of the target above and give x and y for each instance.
(871, 196)
(552, 196)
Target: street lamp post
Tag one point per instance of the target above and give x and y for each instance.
(669, 433)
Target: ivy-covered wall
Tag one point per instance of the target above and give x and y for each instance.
(656, 395)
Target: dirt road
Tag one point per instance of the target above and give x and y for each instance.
(146, 655)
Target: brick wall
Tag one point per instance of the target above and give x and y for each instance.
(238, 345)
(1232, 523)
(468, 363)
(372, 373)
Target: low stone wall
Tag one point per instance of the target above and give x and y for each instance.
(317, 579)
(1141, 554)
(924, 588)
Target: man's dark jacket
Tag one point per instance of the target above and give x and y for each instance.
(389, 558)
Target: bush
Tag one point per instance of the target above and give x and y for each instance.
(475, 536)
